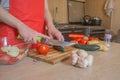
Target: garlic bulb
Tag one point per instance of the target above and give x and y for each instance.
(81, 58)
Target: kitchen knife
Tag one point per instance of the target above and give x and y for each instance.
(53, 42)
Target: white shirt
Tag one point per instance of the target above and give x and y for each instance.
(5, 4)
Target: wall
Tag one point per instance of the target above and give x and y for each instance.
(92, 8)
(115, 25)
(80, 0)
(96, 8)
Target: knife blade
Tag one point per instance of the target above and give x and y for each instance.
(60, 43)
(55, 42)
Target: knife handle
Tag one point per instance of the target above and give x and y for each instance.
(38, 38)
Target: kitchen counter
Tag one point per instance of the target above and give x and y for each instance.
(106, 66)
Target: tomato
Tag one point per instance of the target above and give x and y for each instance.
(6, 59)
(82, 41)
(43, 49)
(35, 46)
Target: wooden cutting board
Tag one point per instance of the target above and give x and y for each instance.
(54, 56)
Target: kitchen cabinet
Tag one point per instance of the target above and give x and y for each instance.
(62, 11)
(76, 11)
(58, 9)
(96, 31)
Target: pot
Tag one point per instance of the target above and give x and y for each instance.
(96, 21)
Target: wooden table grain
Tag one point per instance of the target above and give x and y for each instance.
(106, 66)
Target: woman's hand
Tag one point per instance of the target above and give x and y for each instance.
(52, 31)
(55, 33)
(28, 34)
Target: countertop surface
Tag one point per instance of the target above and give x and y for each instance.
(106, 66)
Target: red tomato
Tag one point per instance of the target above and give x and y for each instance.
(35, 46)
(82, 41)
(43, 49)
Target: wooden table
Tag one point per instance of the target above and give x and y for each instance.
(106, 66)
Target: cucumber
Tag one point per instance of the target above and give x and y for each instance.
(59, 48)
(87, 47)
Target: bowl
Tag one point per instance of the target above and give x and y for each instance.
(13, 54)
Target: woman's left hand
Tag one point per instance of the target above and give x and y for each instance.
(55, 33)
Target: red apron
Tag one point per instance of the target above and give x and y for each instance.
(29, 12)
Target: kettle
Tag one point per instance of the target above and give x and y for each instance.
(86, 20)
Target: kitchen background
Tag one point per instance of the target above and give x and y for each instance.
(60, 10)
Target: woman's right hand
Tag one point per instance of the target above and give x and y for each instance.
(28, 34)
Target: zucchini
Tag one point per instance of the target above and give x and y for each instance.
(59, 48)
(87, 47)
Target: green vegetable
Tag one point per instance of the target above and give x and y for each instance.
(38, 38)
(59, 48)
(87, 47)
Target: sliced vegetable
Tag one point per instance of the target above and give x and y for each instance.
(87, 47)
(59, 48)
(102, 47)
(11, 50)
(7, 59)
(93, 42)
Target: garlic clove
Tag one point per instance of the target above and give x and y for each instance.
(90, 60)
(74, 58)
(82, 53)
